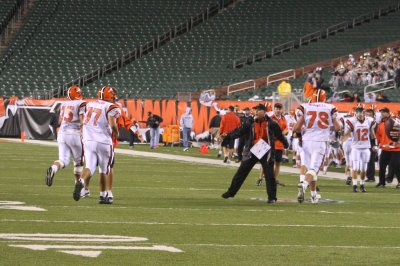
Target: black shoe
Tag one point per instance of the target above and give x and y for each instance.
(219, 155)
(389, 180)
(380, 185)
(107, 200)
(362, 188)
(227, 195)
(49, 176)
(271, 201)
(348, 180)
(259, 181)
(77, 191)
(355, 188)
(226, 159)
(102, 200)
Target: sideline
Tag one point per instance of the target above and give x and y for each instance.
(188, 159)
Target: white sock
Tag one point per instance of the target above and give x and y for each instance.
(354, 182)
(305, 184)
(109, 194)
(55, 168)
(362, 182)
(313, 193)
(102, 193)
(325, 168)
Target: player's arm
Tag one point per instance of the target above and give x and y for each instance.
(300, 122)
(349, 128)
(113, 124)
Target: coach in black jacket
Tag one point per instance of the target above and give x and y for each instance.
(267, 129)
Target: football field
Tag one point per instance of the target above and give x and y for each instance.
(168, 212)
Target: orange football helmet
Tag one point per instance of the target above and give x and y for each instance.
(107, 93)
(268, 106)
(318, 96)
(74, 93)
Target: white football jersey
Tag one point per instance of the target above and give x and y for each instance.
(95, 124)
(318, 118)
(69, 116)
(361, 132)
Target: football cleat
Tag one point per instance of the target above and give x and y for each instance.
(102, 200)
(77, 191)
(300, 194)
(362, 188)
(259, 181)
(348, 180)
(315, 200)
(227, 195)
(85, 193)
(355, 189)
(49, 176)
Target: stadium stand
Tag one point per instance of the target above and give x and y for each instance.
(7, 9)
(373, 34)
(60, 42)
(200, 59)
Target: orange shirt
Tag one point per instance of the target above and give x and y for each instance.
(383, 139)
(260, 131)
(229, 122)
(122, 121)
(308, 90)
(283, 125)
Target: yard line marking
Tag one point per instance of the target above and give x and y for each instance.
(72, 238)
(90, 254)
(290, 245)
(210, 224)
(46, 247)
(18, 205)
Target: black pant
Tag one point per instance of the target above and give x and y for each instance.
(371, 166)
(131, 138)
(244, 170)
(391, 158)
(240, 147)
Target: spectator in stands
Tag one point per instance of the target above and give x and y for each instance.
(355, 98)
(370, 97)
(187, 126)
(153, 122)
(214, 132)
(284, 88)
(382, 98)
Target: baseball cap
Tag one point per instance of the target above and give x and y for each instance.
(261, 107)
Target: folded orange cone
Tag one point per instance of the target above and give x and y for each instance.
(204, 149)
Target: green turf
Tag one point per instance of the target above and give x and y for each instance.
(179, 205)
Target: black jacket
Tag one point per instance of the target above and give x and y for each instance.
(215, 121)
(151, 121)
(247, 130)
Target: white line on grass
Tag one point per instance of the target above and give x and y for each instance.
(211, 224)
(288, 245)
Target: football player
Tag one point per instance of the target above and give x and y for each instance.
(100, 122)
(363, 135)
(69, 135)
(318, 118)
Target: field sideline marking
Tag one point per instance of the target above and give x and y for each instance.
(211, 224)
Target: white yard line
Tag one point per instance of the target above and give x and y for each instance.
(210, 224)
(189, 159)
